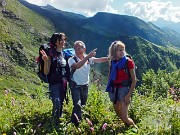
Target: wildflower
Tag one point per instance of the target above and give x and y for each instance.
(92, 129)
(7, 91)
(13, 101)
(39, 125)
(14, 133)
(76, 117)
(104, 126)
(79, 129)
(4, 134)
(89, 122)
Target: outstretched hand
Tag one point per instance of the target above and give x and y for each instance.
(44, 55)
(92, 53)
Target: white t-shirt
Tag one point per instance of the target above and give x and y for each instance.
(81, 75)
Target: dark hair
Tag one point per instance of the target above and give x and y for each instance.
(54, 38)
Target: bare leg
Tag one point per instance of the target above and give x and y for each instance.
(121, 110)
(117, 108)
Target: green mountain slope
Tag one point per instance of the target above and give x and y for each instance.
(107, 24)
(21, 32)
(148, 55)
(102, 29)
(114, 25)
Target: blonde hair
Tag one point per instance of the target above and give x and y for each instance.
(113, 49)
(81, 43)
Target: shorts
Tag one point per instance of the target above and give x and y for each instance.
(122, 92)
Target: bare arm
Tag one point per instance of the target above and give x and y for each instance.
(132, 87)
(47, 62)
(79, 64)
(101, 60)
(134, 80)
(47, 65)
(109, 69)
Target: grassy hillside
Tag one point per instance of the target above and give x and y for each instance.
(153, 112)
(37, 22)
(25, 107)
(21, 33)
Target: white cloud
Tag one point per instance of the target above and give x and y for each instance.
(153, 10)
(88, 8)
(39, 2)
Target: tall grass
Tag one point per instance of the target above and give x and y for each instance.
(28, 114)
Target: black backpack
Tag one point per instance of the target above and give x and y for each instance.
(40, 61)
(69, 52)
(126, 68)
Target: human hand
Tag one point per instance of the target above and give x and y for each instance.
(44, 55)
(92, 53)
(108, 58)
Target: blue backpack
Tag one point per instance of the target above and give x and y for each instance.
(69, 52)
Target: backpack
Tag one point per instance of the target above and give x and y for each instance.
(127, 70)
(69, 52)
(40, 62)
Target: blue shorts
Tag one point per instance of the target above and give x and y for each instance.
(122, 92)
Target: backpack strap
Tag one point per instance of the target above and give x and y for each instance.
(126, 68)
(73, 70)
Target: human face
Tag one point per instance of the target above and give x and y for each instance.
(79, 50)
(120, 52)
(61, 43)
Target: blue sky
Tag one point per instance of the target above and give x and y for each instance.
(148, 10)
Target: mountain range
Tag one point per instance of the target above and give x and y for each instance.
(102, 29)
(25, 26)
(167, 25)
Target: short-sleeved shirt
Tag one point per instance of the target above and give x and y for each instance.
(121, 75)
(81, 75)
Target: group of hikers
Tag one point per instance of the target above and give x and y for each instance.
(76, 71)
